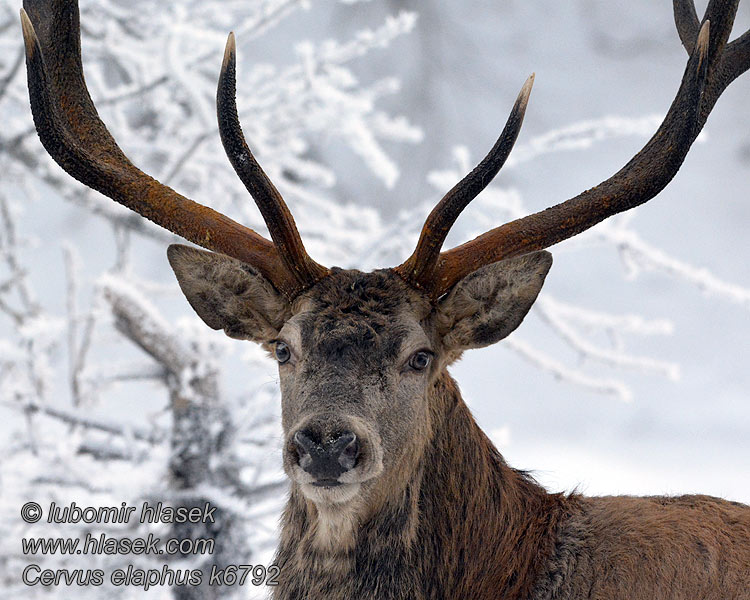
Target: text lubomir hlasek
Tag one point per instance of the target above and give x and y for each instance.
(157, 513)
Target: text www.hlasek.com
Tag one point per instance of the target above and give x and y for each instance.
(107, 545)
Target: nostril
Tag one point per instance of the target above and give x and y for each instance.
(305, 447)
(304, 441)
(347, 448)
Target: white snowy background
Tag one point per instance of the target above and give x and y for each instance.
(629, 377)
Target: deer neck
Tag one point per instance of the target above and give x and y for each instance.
(460, 518)
(485, 524)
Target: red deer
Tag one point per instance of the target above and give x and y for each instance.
(396, 493)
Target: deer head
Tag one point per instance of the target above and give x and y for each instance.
(358, 353)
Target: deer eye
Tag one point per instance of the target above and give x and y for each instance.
(282, 352)
(420, 360)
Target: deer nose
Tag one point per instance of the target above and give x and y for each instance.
(326, 460)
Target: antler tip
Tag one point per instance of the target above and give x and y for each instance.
(229, 51)
(701, 44)
(29, 35)
(523, 95)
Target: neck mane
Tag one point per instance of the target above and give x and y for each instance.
(463, 525)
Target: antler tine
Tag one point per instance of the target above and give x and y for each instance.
(733, 59)
(638, 181)
(275, 212)
(71, 131)
(736, 58)
(419, 267)
(687, 23)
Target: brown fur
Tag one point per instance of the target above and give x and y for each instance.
(685, 547)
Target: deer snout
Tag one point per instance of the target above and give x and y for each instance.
(330, 456)
(326, 460)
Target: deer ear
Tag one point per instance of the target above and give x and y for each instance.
(229, 294)
(488, 304)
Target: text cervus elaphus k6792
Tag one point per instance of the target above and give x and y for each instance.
(396, 492)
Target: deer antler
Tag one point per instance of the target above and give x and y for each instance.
(712, 66)
(277, 216)
(71, 131)
(419, 266)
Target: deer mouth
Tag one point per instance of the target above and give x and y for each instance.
(330, 493)
(327, 483)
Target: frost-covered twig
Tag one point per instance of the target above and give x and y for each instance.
(138, 320)
(637, 255)
(8, 78)
(76, 419)
(546, 309)
(564, 373)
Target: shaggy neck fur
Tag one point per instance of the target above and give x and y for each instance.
(461, 525)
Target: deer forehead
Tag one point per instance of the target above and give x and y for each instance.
(352, 312)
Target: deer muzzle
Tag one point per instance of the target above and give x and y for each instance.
(326, 452)
(327, 459)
